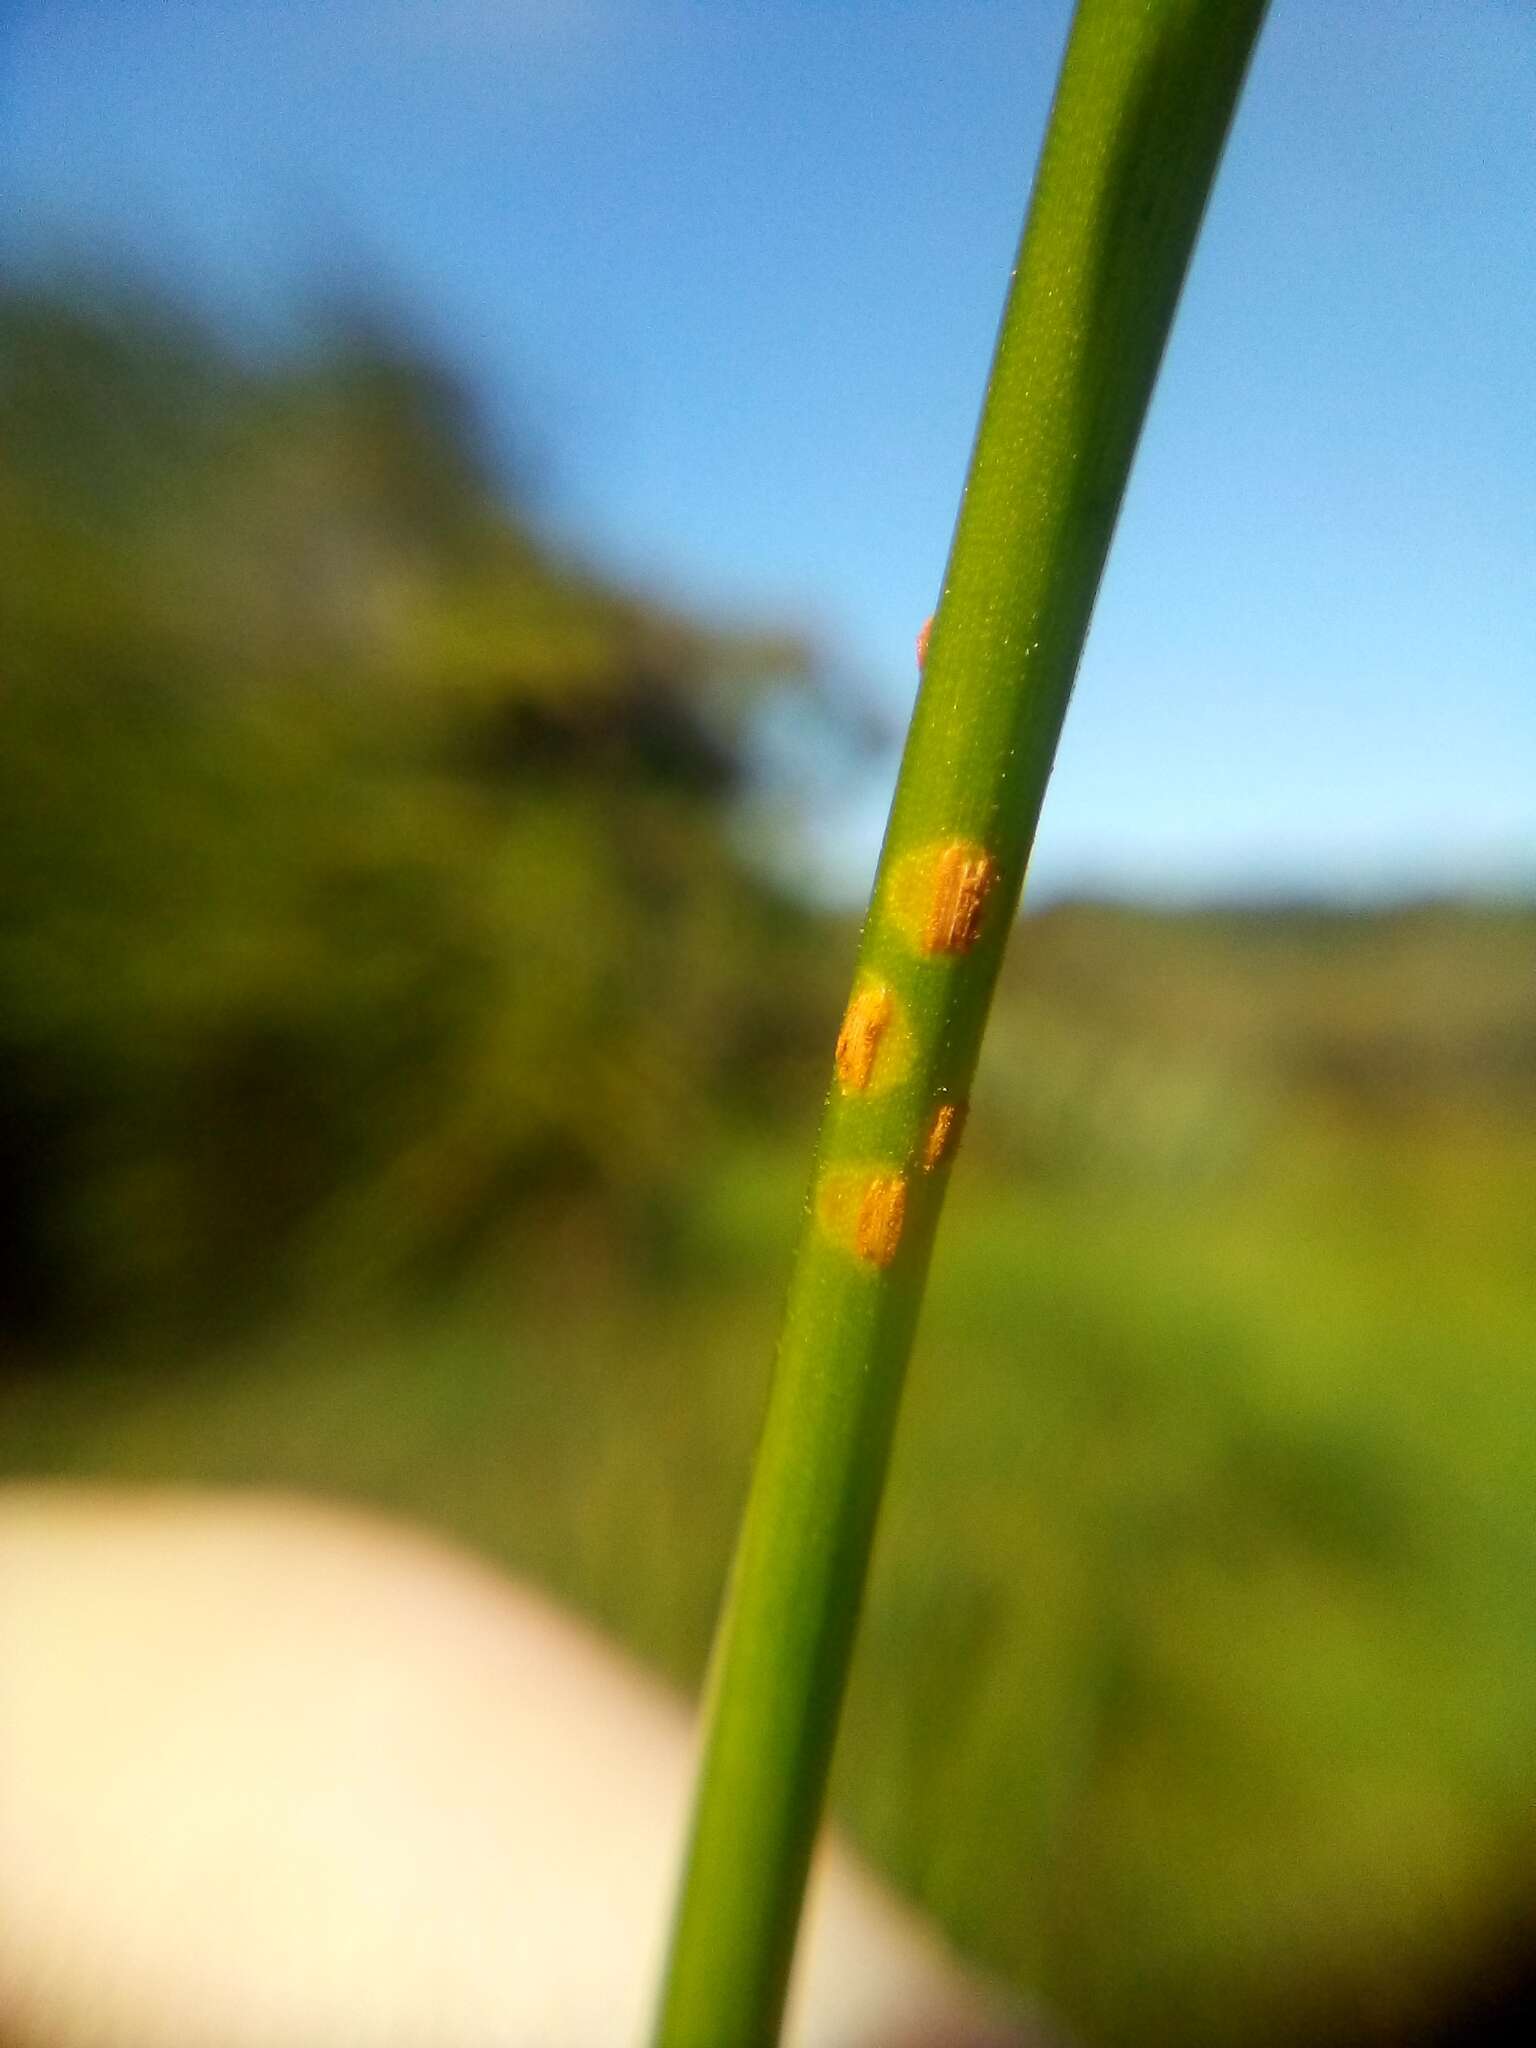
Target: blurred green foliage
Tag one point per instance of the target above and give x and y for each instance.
(364, 864)
(1171, 1048)
(371, 911)
(1197, 1685)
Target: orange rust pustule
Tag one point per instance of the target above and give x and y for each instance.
(943, 1134)
(862, 1209)
(924, 635)
(938, 895)
(858, 1042)
(963, 876)
(882, 1212)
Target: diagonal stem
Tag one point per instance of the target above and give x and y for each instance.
(1142, 108)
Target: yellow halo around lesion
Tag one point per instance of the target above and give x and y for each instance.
(863, 1209)
(874, 1045)
(937, 897)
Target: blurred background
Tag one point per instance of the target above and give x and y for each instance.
(470, 476)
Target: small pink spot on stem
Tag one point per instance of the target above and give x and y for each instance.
(924, 635)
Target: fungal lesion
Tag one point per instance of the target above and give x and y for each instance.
(882, 1212)
(938, 896)
(942, 1134)
(864, 1210)
(963, 878)
(924, 635)
(873, 1044)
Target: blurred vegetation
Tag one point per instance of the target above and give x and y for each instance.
(364, 865)
(371, 910)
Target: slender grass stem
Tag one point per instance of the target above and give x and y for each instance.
(1142, 108)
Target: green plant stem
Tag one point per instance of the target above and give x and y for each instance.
(1143, 104)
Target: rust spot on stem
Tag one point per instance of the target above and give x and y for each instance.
(858, 1042)
(943, 1134)
(882, 1213)
(939, 895)
(863, 1209)
(962, 880)
(874, 1045)
(924, 635)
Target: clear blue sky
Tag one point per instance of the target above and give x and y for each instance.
(733, 270)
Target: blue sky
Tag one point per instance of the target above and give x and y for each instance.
(730, 273)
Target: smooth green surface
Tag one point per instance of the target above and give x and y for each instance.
(1145, 97)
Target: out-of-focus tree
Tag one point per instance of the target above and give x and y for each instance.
(365, 866)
